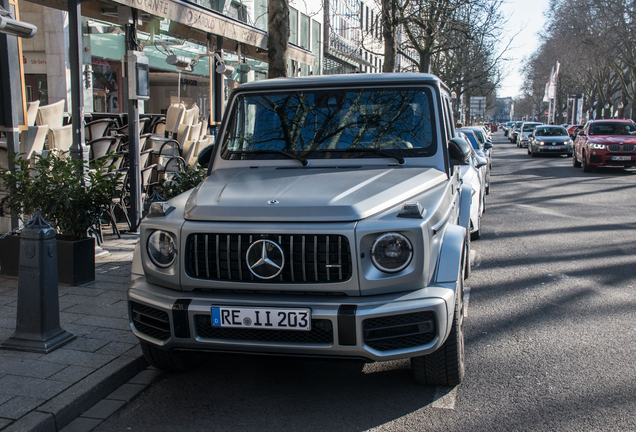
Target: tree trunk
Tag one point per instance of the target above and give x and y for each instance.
(388, 32)
(279, 31)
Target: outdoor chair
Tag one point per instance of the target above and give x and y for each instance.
(174, 117)
(191, 116)
(98, 128)
(32, 141)
(32, 112)
(51, 115)
(60, 138)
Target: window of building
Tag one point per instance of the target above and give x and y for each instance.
(366, 19)
(304, 31)
(315, 46)
(293, 26)
(260, 14)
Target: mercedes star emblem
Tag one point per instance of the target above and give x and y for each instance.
(265, 259)
(272, 201)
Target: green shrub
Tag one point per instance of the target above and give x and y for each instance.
(70, 198)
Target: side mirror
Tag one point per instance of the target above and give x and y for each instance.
(205, 155)
(459, 151)
(488, 145)
(480, 161)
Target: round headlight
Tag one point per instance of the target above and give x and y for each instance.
(161, 249)
(391, 252)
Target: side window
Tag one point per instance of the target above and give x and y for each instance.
(449, 115)
(447, 126)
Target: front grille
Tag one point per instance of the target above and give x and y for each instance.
(321, 333)
(621, 148)
(150, 321)
(308, 258)
(399, 331)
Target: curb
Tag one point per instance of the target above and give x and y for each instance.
(69, 404)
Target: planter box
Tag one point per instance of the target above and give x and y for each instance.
(75, 259)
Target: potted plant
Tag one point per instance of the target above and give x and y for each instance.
(71, 198)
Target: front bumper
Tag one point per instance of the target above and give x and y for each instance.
(605, 157)
(346, 326)
(552, 149)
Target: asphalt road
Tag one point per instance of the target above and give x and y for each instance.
(550, 331)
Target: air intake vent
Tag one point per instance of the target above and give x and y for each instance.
(150, 321)
(399, 331)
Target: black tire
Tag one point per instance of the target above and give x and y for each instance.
(529, 154)
(575, 162)
(586, 167)
(445, 367)
(477, 233)
(169, 360)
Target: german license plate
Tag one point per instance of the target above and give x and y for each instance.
(261, 318)
(621, 158)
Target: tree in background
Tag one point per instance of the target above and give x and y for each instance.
(278, 42)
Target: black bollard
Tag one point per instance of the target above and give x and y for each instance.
(38, 321)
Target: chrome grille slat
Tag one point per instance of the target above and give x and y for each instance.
(207, 258)
(218, 259)
(291, 256)
(196, 254)
(240, 254)
(314, 265)
(228, 252)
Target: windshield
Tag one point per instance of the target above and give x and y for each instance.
(613, 129)
(480, 135)
(471, 138)
(529, 127)
(331, 123)
(550, 131)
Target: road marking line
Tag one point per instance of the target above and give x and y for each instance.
(444, 398)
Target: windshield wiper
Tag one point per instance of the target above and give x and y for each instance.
(302, 160)
(379, 152)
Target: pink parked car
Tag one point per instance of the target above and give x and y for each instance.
(605, 143)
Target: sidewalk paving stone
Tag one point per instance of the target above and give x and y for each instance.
(48, 392)
(19, 406)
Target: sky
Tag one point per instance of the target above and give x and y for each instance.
(526, 16)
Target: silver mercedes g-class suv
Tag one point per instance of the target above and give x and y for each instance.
(332, 223)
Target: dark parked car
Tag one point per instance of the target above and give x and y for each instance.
(550, 140)
(605, 142)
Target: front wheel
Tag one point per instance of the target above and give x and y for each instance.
(586, 167)
(445, 367)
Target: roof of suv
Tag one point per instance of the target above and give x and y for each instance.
(344, 80)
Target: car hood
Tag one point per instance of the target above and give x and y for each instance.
(313, 194)
(612, 139)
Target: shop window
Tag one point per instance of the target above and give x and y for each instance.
(293, 26)
(36, 88)
(304, 31)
